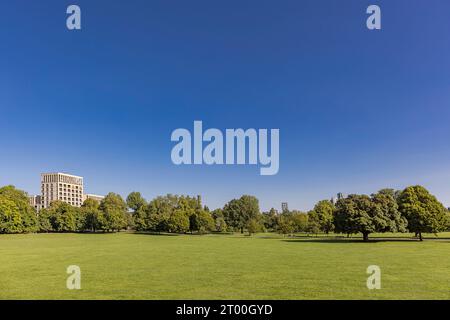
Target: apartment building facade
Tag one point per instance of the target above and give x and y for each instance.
(36, 202)
(63, 187)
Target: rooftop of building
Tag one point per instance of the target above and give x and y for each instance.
(61, 173)
(93, 195)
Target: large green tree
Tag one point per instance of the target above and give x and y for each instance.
(355, 214)
(44, 221)
(388, 218)
(169, 213)
(157, 213)
(10, 218)
(299, 220)
(425, 214)
(114, 213)
(219, 220)
(27, 213)
(238, 212)
(62, 216)
(138, 205)
(201, 221)
(364, 214)
(270, 219)
(322, 216)
(135, 201)
(254, 226)
(141, 219)
(178, 221)
(92, 215)
(285, 225)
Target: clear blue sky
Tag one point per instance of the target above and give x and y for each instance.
(357, 110)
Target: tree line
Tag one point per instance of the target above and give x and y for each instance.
(18, 216)
(413, 209)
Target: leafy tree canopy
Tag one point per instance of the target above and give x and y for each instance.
(422, 210)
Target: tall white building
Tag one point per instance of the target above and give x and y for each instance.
(61, 186)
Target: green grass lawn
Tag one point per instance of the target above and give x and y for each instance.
(264, 266)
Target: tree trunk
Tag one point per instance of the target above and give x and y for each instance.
(365, 237)
(420, 236)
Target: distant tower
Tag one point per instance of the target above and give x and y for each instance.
(199, 200)
(340, 196)
(284, 207)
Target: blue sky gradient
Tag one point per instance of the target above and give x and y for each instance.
(357, 110)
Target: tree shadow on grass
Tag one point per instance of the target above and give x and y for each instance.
(157, 234)
(331, 241)
(215, 233)
(353, 240)
(148, 233)
(95, 233)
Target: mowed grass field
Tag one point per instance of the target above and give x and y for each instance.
(264, 266)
